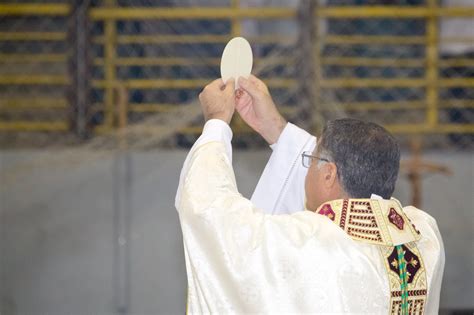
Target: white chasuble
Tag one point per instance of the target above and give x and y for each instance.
(241, 260)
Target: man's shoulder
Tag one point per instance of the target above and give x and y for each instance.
(426, 224)
(417, 215)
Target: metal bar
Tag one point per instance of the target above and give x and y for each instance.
(25, 9)
(466, 11)
(287, 83)
(436, 129)
(186, 39)
(467, 40)
(358, 106)
(160, 61)
(458, 62)
(32, 58)
(110, 71)
(32, 36)
(32, 103)
(33, 126)
(373, 82)
(190, 13)
(456, 82)
(34, 79)
(152, 108)
(181, 61)
(185, 83)
(277, 12)
(456, 103)
(155, 83)
(353, 106)
(373, 62)
(393, 12)
(160, 39)
(394, 128)
(363, 106)
(372, 39)
(395, 83)
(236, 28)
(398, 105)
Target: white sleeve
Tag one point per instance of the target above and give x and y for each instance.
(281, 187)
(434, 290)
(215, 130)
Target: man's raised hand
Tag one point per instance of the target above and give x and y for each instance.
(257, 109)
(218, 100)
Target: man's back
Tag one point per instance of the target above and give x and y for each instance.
(241, 260)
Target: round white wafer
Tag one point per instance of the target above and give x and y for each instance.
(237, 60)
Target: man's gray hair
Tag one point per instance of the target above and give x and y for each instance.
(366, 155)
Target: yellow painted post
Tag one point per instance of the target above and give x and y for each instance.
(236, 23)
(109, 66)
(432, 64)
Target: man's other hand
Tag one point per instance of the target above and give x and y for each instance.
(257, 109)
(218, 100)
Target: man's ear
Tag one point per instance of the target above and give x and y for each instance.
(330, 174)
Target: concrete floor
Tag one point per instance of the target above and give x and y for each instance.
(57, 230)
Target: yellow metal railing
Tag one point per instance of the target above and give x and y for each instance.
(235, 14)
(432, 64)
(13, 104)
(111, 39)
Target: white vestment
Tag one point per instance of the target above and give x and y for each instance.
(242, 260)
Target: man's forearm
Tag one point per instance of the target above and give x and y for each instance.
(273, 129)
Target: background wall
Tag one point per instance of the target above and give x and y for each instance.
(57, 239)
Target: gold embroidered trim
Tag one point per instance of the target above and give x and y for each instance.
(380, 222)
(383, 223)
(417, 283)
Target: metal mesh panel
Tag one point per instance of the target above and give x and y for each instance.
(397, 63)
(33, 70)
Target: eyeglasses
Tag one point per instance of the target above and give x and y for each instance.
(307, 158)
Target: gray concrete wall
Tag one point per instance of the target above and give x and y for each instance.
(57, 231)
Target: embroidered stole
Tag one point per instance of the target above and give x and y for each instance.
(383, 223)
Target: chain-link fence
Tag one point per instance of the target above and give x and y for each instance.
(105, 74)
(33, 71)
(66, 68)
(394, 64)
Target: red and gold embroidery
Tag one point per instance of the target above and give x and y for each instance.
(327, 211)
(417, 284)
(368, 220)
(382, 222)
(342, 223)
(396, 219)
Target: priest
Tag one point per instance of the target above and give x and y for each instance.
(321, 233)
